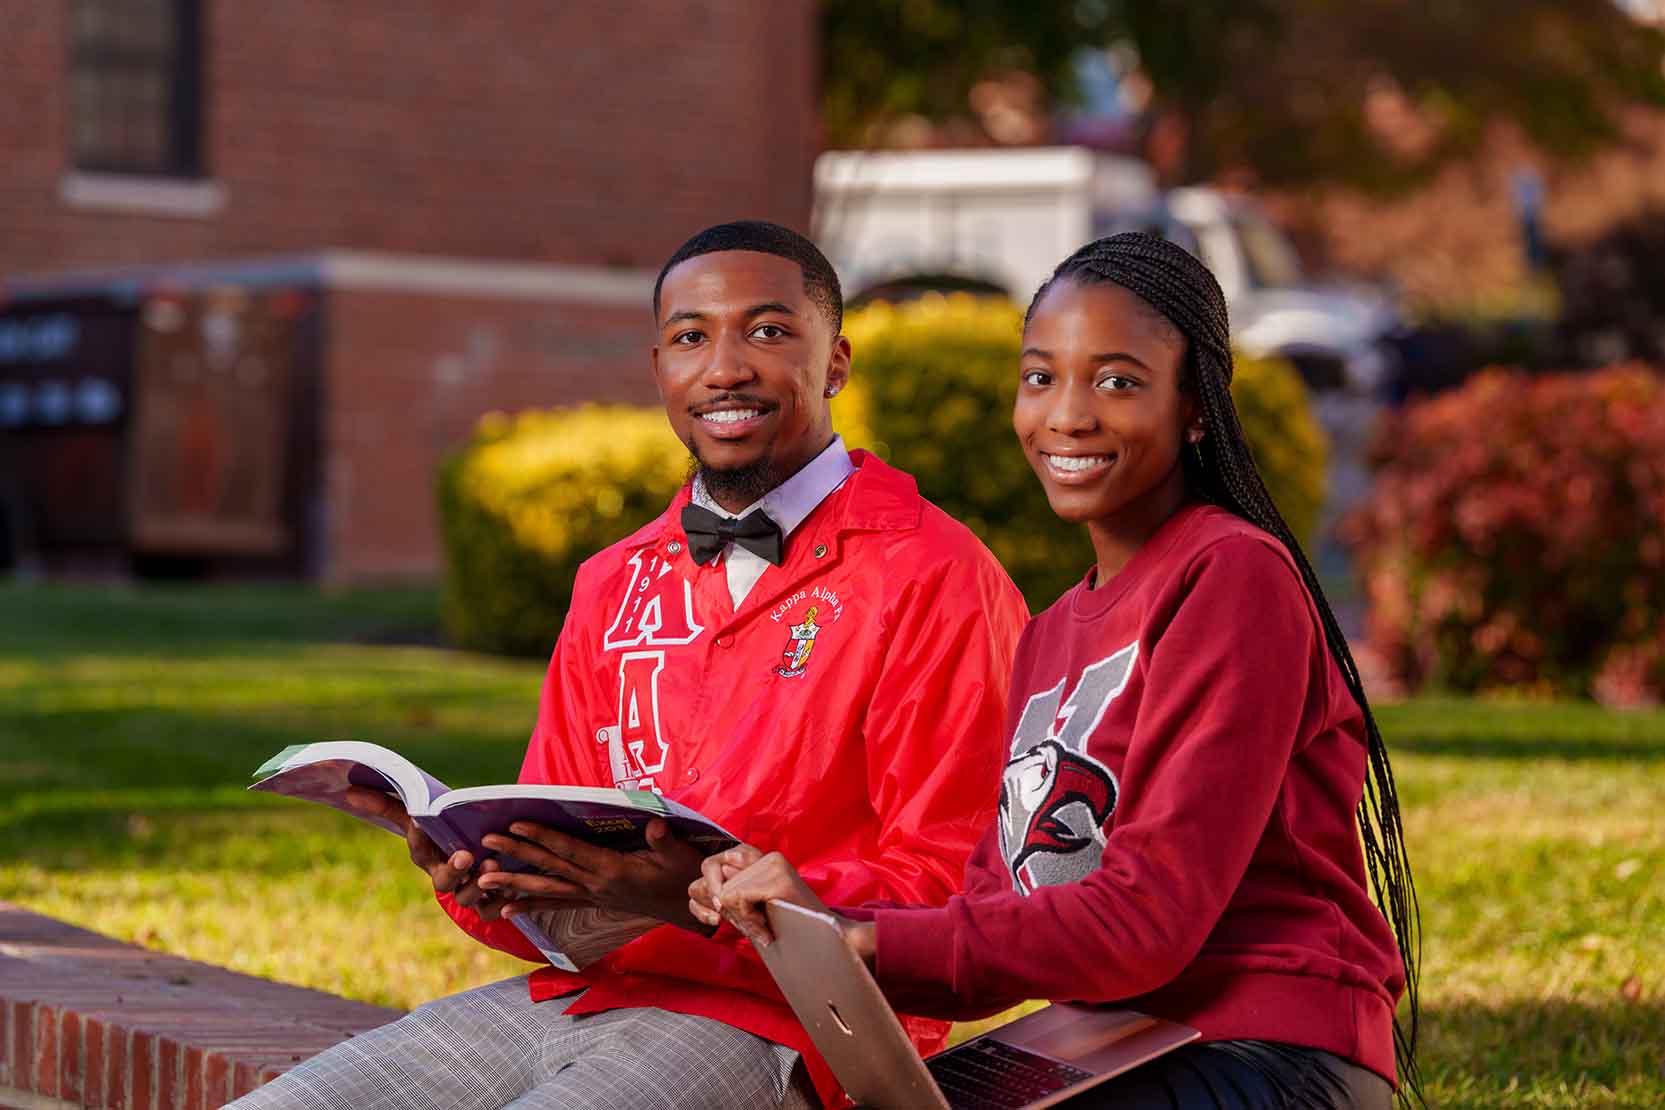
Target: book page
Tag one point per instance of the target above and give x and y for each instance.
(583, 935)
(677, 813)
(324, 772)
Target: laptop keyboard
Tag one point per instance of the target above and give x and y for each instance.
(992, 1075)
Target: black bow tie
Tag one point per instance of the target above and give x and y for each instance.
(709, 533)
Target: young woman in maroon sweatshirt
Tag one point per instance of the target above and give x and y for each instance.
(1189, 745)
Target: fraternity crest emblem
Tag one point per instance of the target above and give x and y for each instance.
(800, 645)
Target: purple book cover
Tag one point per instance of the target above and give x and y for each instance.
(621, 828)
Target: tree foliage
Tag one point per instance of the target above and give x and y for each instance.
(1372, 92)
(885, 59)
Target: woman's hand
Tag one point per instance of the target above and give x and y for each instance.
(737, 885)
(703, 892)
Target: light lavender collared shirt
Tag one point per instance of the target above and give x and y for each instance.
(788, 504)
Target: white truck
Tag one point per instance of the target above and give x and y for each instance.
(1000, 220)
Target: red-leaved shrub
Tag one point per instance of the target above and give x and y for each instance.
(1516, 536)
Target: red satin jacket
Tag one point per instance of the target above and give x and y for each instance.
(849, 714)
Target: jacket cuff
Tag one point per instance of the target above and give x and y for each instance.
(459, 914)
(465, 918)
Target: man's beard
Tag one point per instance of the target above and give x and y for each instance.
(744, 484)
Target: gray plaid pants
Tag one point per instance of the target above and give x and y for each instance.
(494, 1047)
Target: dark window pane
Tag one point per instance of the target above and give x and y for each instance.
(89, 22)
(135, 85)
(148, 25)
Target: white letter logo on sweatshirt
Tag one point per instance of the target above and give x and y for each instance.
(1054, 797)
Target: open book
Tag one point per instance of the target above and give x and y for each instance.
(458, 820)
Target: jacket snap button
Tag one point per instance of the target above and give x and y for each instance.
(820, 551)
(725, 641)
(692, 774)
(674, 548)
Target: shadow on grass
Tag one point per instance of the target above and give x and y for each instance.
(1540, 1052)
(1611, 750)
(1479, 729)
(84, 751)
(50, 621)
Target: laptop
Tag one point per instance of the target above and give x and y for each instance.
(1035, 1061)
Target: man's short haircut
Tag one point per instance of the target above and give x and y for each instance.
(820, 281)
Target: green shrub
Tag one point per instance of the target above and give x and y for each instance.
(1289, 446)
(932, 392)
(530, 498)
(1516, 536)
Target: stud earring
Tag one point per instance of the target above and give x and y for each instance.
(832, 391)
(1194, 436)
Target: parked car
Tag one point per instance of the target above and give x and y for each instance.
(999, 220)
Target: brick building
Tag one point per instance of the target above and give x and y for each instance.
(262, 264)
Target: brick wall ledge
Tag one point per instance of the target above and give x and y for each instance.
(87, 1021)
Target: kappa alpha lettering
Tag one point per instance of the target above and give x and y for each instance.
(640, 742)
(657, 609)
(1055, 798)
(636, 747)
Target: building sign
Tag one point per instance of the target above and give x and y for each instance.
(58, 367)
(51, 337)
(65, 368)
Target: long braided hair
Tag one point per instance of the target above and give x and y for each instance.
(1221, 470)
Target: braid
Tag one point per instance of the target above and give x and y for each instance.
(1221, 470)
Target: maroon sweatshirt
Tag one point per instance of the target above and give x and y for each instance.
(1176, 829)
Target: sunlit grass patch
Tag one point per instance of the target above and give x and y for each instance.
(311, 898)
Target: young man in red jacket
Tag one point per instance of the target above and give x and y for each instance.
(800, 647)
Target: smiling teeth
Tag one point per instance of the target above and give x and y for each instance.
(1076, 462)
(730, 416)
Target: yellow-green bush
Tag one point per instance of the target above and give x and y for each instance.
(1290, 448)
(530, 498)
(932, 392)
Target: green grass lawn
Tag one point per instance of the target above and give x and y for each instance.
(130, 720)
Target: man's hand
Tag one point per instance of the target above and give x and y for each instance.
(738, 884)
(653, 881)
(450, 874)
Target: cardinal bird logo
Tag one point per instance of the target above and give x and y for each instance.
(1055, 799)
(1053, 806)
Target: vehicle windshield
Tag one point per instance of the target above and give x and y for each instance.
(1272, 262)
